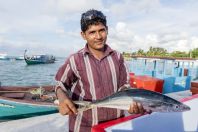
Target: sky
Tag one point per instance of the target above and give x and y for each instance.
(53, 26)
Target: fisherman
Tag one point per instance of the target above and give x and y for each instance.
(92, 73)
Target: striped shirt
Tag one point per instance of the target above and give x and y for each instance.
(88, 78)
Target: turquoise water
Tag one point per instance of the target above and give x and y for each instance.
(18, 73)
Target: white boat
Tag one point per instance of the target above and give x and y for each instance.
(4, 56)
(21, 57)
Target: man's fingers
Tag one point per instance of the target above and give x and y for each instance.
(70, 112)
(67, 107)
(135, 107)
(140, 108)
(72, 107)
(63, 109)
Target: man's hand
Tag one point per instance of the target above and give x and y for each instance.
(136, 108)
(67, 107)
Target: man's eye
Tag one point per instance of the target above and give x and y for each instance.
(91, 32)
(103, 30)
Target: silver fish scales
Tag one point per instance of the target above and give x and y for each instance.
(154, 101)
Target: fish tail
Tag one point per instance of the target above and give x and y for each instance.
(83, 105)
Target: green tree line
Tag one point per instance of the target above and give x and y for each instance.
(161, 52)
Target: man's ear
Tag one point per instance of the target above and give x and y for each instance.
(83, 35)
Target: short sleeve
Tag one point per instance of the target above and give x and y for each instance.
(65, 76)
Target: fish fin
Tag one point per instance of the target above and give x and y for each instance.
(124, 88)
(83, 105)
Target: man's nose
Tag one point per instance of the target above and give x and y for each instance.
(98, 35)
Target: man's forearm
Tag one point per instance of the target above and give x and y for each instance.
(61, 95)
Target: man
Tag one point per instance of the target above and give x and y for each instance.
(94, 72)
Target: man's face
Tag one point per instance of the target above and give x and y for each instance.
(96, 36)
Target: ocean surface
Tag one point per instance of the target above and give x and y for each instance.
(18, 73)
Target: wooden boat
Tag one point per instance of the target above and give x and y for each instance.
(23, 102)
(39, 59)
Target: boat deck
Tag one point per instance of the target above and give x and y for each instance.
(55, 122)
(46, 123)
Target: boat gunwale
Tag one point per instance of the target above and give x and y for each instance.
(24, 100)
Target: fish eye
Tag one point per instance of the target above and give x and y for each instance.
(176, 107)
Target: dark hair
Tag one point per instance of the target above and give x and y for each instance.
(92, 17)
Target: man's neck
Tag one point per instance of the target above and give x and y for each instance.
(98, 54)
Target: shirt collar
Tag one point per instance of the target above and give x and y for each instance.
(107, 51)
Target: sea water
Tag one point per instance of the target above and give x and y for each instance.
(18, 73)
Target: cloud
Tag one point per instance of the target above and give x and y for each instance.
(160, 25)
(132, 7)
(75, 6)
(1, 39)
(194, 42)
(53, 25)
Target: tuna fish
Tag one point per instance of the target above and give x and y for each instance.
(156, 102)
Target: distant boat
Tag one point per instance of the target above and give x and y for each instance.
(39, 59)
(23, 102)
(21, 57)
(4, 56)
